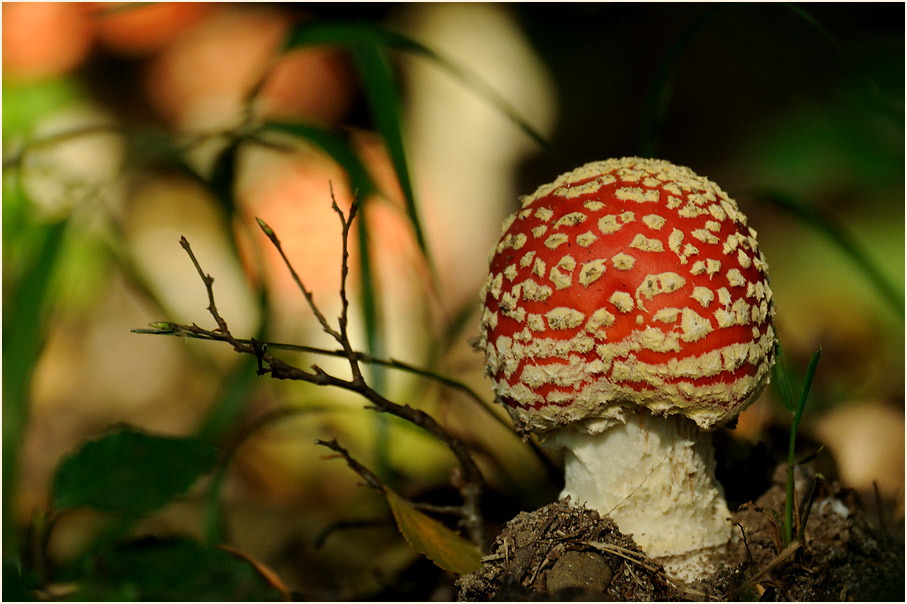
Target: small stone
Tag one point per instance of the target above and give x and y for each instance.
(583, 570)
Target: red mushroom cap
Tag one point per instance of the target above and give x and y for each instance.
(627, 283)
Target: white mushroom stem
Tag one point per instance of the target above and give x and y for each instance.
(655, 477)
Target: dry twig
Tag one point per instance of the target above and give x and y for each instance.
(471, 482)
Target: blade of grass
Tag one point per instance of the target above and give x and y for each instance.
(381, 91)
(782, 379)
(837, 235)
(337, 146)
(795, 426)
(380, 88)
(349, 34)
(231, 402)
(24, 334)
(214, 524)
(833, 43)
(374, 341)
(658, 97)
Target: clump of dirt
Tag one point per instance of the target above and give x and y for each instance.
(845, 555)
(566, 553)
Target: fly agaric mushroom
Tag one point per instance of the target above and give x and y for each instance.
(626, 313)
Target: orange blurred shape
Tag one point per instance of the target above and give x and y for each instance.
(313, 84)
(292, 193)
(203, 78)
(137, 29)
(42, 39)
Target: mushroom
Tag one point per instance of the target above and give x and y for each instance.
(626, 314)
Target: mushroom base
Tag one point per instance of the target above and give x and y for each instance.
(655, 477)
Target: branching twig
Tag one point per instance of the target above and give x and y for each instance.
(789, 551)
(199, 333)
(373, 481)
(472, 482)
(309, 298)
(208, 280)
(345, 223)
(370, 479)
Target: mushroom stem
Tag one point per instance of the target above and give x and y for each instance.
(655, 477)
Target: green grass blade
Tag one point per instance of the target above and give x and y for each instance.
(374, 340)
(658, 98)
(836, 234)
(381, 90)
(214, 523)
(350, 34)
(231, 402)
(834, 44)
(795, 426)
(337, 146)
(340, 149)
(782, 379)
(659, 95)
(25, 306)
(807, 383)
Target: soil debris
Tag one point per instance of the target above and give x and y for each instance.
(566, 553)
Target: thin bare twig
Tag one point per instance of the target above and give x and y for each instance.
(373, 481)
(309, 298)
(746, 544)
(789, 551)
(208, 280)
(370, 479)
(199, 333)
(472, 482)
(349, 524)
(346, 222)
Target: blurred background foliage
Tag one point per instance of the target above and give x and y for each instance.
(128, 126)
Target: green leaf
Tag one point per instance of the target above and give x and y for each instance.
(174, 570)
(354, 34)
(131, 472)
(445, 548)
